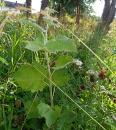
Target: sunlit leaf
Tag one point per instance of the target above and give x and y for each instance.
(58, 44)
(29, 77)
(61, 43)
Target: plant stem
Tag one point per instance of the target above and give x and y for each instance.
(50, 78)
(48, 67)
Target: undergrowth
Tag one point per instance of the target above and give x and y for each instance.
(45, 83)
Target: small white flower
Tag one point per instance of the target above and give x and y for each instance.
(92, 72)
(102, 88)
(78, 62)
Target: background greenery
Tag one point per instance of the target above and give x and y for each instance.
(50, 81)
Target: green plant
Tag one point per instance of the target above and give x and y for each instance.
(35, 77)
(40, 73)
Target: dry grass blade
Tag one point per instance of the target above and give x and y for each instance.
(3, 23)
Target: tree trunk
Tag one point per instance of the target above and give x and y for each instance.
(100, 31)
(78, 12)
(59, 10)
(108, 13)
(44, 4)
(28, 6)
